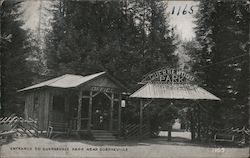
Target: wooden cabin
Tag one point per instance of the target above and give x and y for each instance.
(83, 103)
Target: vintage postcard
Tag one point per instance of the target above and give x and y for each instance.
(125, 78)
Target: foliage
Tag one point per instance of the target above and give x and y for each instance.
(221, 61)
(15, 73)
(160, 115)
(125, 38)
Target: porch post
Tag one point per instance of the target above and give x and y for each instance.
(50, 106)
(67, 107)
(111, 112)
(26, 116)
(90, 111)
(119, 113)
(141, 117)
(79, 109)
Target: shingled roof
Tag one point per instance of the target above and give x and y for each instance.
(65, 81)
(175, 91)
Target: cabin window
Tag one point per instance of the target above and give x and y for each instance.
(58, 103)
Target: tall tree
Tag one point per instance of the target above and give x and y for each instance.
(125, 38)
(15, 73)
(222, 60)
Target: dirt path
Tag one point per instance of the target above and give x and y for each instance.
(42, 147)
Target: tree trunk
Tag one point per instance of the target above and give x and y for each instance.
(169, 132)
(249, 109)
(198, 123)
(192, 126)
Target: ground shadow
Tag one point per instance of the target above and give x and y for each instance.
(161, 140)
(178, 141)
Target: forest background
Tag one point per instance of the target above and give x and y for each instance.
(129, 39)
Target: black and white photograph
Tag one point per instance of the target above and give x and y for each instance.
(125, 79)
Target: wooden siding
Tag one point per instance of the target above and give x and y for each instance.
(43, 107)
(46, 109)
(29, 101)
(45, 99)
(41, 99)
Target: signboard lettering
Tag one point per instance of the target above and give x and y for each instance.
(102, 89)
(168, 76)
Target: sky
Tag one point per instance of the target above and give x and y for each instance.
(184, 23)
(31, 14)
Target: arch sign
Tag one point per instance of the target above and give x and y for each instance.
(168, 76)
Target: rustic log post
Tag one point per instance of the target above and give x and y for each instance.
(79, 109)
(50, 107)
(119, 114)
(67, 106)
(169, 131)
(192, 128)
(198, 122)
(111, 112)
(26, 116)
(90, 111)
(141, 117)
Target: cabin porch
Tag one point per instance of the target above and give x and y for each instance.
(79, 111)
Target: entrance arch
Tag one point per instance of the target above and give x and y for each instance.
(169, 83)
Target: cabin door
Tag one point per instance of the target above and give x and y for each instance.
(58, 109)
(100, 112)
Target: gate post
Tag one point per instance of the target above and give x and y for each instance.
(111, 112)
(90, 111)
(79, 109)
(119, 114)
(141, 117)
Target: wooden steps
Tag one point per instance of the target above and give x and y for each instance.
(103, 135)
